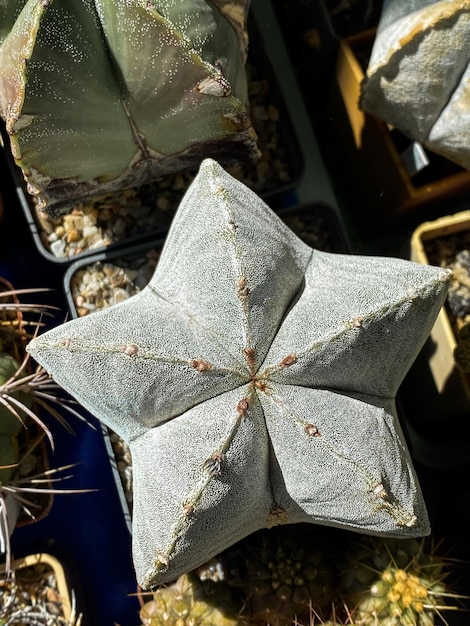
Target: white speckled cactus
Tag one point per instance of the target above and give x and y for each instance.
(100, 94)
(418, 79)
(254, 379)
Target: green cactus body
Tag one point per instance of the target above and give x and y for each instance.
(9, 455)
(10, 425)
(100, 95)
(394, 583)
(187, 603)
(9, 422)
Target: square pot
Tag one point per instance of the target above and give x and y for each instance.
(449, 381)
(37, 568)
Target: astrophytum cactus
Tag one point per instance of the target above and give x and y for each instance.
(106, 94)
(418, 79)
(254, 379)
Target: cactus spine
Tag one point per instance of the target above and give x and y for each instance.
(395, 583)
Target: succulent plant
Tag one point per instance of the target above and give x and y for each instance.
(106, 94)
(347, 580)
(396, 583)
(418, 75)
(24, 390)
(190, 602)
(254, 380)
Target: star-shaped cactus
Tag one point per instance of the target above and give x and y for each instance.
(254, 379)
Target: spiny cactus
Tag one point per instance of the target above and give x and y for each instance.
(396, 583)
(346, 581)
(23, 389)
(189, 602)
(108, 94)
(21, 384)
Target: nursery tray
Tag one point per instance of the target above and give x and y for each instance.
(316, 224)
(274, 193)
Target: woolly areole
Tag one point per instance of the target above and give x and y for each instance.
(254, 380)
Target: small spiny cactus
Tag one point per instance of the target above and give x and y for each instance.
(347, 581)
(393, 582)
(190, 602)
(23, 390)
(283, 572)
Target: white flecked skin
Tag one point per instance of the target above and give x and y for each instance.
(418, 79)
(254, 379)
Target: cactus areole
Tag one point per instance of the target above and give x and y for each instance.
(254, 379)
(106, 94)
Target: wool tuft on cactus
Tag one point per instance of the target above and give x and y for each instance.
(100, 95)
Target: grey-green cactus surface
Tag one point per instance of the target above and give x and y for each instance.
(107, 94)
(254, 379)
(418, 78)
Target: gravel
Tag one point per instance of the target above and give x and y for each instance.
(114, 217)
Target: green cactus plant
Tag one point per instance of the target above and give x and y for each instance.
(391, 582)
(23, 390)
(100, 95)
(284, 573)
(190, 602)
(346, 581)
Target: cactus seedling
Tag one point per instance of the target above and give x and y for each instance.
(108, 94)
(254, 378)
